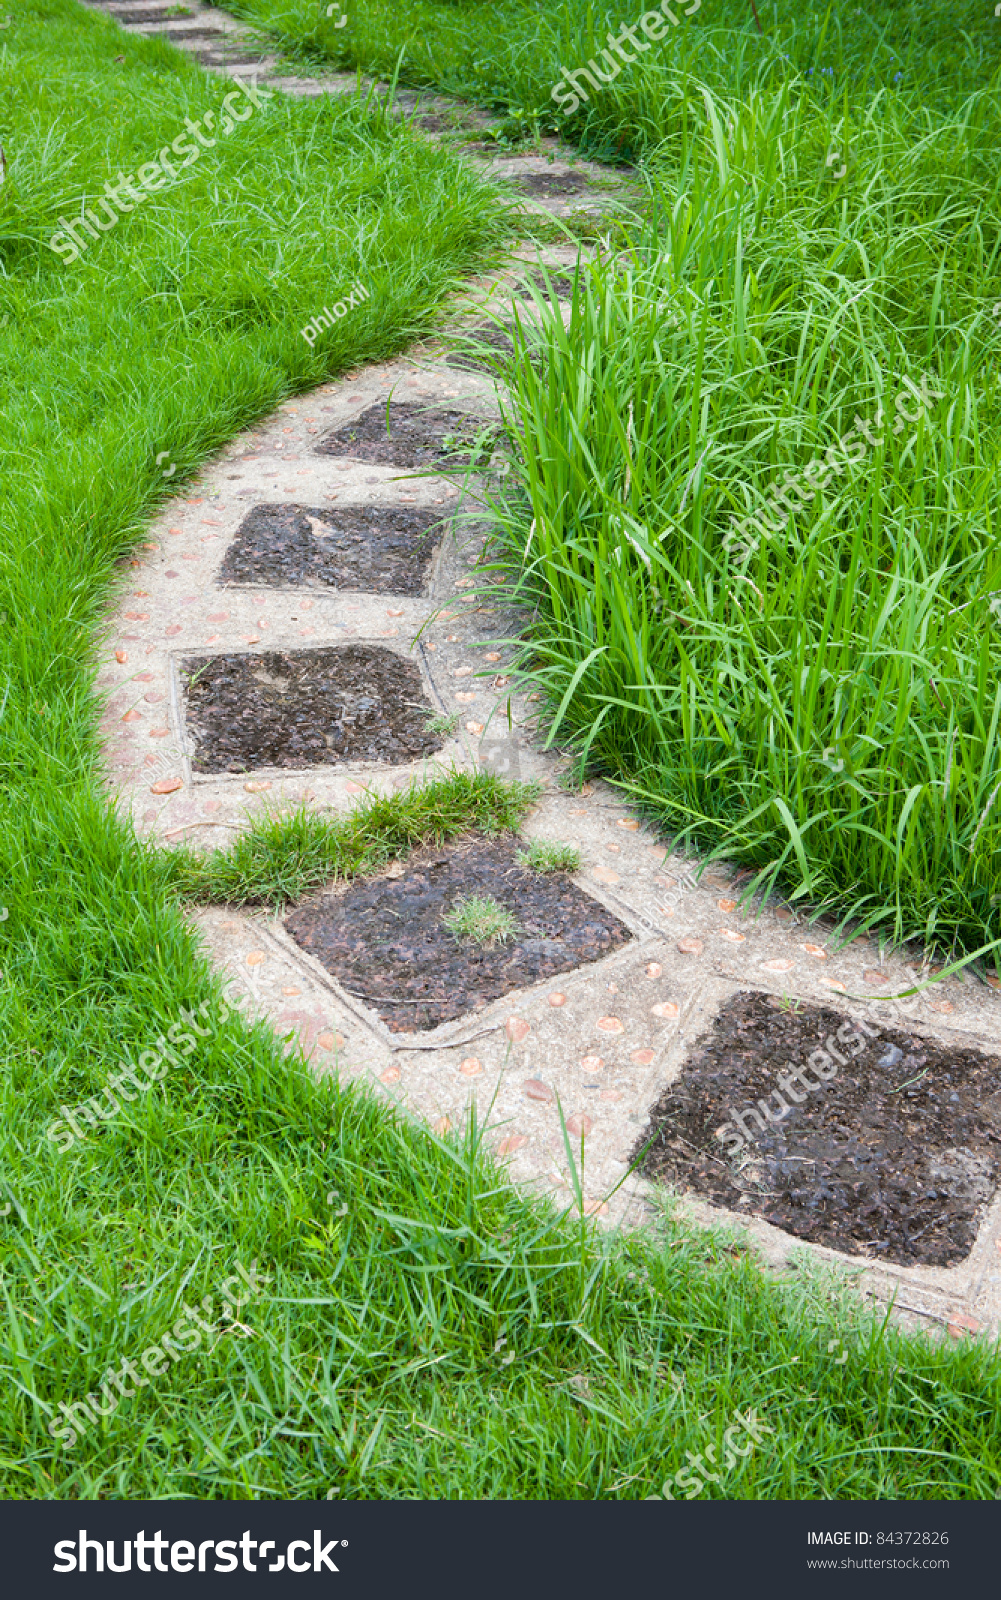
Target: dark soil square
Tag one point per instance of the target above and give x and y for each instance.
(562, 284)
(476, 349)
(304, 708)
(895, 1154)
(165, 13)
(386, 942)
(372, 548)
(418, 436)
(553, 186)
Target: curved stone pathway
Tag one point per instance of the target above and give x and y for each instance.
(603, 1041)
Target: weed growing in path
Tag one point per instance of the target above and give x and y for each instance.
(541, 856)
(482, 919)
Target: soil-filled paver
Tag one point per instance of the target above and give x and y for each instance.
(387, 943)
(372, 548)
(561, 282)
(418, 436)
(467, 356)
(894, 1152)
(302, 708)
(548, 186)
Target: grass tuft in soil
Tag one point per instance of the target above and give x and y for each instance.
(543, 857)
(481, 919)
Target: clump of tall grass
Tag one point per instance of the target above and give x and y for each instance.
(825, 707)
(508, 54)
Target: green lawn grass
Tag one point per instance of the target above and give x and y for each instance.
(423, 1329)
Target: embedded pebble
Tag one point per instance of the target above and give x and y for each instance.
(961, 1323)
(537, 1090)
(513, 1142)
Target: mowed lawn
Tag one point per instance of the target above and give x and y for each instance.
(412, 1326)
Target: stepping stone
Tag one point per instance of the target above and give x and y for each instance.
(127, 14)
(546, 186)
(303, 708)
(370, 548)
(179, 29)
(468, 354)
(417, 436)
(385, 939)
(562, 283)
(873, 1150)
